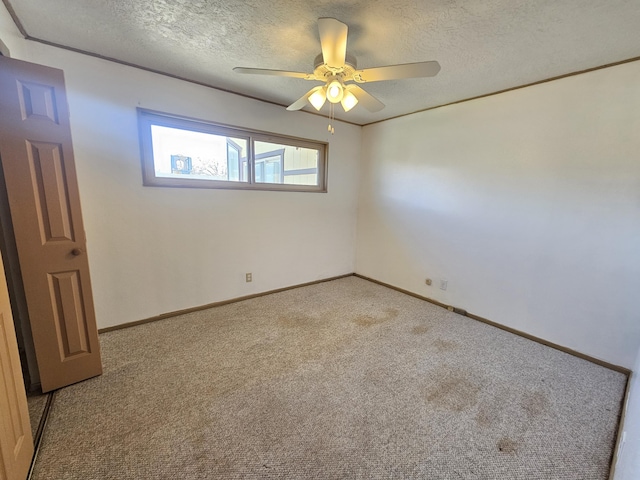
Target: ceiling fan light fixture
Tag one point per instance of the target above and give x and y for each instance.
(336, 70)
(318, 98)
(348, 101)
(335, 91)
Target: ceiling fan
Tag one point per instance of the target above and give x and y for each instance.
(335, 68)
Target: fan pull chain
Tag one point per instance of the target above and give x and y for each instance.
(332, 117)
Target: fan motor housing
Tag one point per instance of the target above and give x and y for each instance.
(322, 70)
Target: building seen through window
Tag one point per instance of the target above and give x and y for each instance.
(198, 152)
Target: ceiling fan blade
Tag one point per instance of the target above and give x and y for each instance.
(367, 100)
(394, 72)
(333, 39)
(302, 101)
(278, 73)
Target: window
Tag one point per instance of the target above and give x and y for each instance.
(183, 152)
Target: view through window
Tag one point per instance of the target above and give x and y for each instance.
(182, 152)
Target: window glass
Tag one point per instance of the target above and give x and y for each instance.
(179, 153)
(287, 164)
(183, 152)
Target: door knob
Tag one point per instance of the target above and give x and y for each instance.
(76, 251)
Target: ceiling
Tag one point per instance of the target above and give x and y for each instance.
(483, 46)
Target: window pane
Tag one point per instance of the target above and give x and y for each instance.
(189, 153)
(286, 164)
(179, 153)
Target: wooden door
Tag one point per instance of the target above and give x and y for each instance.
(40, 177)
(16, 444)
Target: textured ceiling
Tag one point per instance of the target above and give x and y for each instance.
(483, 46)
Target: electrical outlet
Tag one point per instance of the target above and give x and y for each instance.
(428, 281)
(249, 277)
(443, 284)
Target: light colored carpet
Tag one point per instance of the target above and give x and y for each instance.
(344, 379)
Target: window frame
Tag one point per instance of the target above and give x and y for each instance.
(147, 118)
(236, 147)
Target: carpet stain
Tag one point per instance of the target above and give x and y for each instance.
(419, 329)
(240, 391)
(442, 346)
(535, 404)
(507, 445)
(453, 390)
(369, 321)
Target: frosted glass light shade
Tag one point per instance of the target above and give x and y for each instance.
(318, 98)
(348, 101)
(335, 91)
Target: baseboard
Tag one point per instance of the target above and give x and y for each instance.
(597, 361)
(514, 331)
(215, 304)
(625, 401)
(520, 333)
(542, 341)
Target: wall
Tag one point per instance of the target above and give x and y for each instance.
(154, 250)
(628, 459)
(527, 202)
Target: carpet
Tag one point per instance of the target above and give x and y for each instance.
(342, 379)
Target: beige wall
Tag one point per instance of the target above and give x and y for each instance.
(527, 202)
(154, 250)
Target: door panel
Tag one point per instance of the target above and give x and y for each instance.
(37, 101)
(52, 201)
(40, 176)
(16, 444)
(69, 314)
